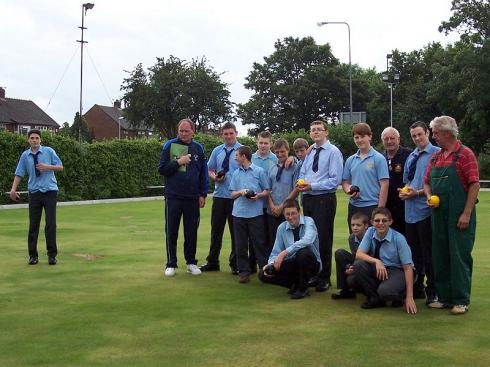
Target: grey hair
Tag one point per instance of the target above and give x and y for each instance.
(390, 129)
(445, 123)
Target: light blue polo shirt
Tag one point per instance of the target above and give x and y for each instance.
(47, 180)
(221, 189)
(329, 174)
(282, 188)
(308, 237)
(416, 209)
(366, 173)
(266, 163)
(253, 178)
(395, 252)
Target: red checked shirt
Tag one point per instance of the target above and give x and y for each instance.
(466, 165)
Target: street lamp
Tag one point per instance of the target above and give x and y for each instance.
(350, 64)
(85, 7)
(119, 125)
(392, 79)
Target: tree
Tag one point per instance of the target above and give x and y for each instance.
(79, 129)
(471, 18)
(468, 68)
(300, 82)
(173, 89)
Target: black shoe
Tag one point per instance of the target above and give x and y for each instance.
(52, 260)
(298, 294)
(234, 271)
(344, 294)
(396, 303)
(373, 303)
(33, 260)
(293, 289)
(312, 282)
(209, 267)
(322, 285)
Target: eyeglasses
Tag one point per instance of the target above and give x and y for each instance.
(316, 130)
(384, 220)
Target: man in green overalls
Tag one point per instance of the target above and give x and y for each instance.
(453, 176)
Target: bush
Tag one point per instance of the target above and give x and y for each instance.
(123, 168)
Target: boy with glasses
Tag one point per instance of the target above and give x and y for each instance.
(383, 270)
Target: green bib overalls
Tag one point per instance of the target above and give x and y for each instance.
(451, 247)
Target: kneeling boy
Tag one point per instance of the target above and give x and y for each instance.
(384, 267)
(344, 259)
(295, 256)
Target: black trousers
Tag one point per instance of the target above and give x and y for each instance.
(250, 230)
(366, 210)
(37, 202)
(274, 222)
(295, 271)
(364, 279)
(397, 209)
(343, 258)
(322, 209)
(174, 210)
(419, 238)
(220, 213)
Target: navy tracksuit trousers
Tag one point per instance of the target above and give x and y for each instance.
(174, 210)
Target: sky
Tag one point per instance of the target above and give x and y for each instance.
(40, 58)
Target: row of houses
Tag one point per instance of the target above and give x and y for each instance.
(104, 122)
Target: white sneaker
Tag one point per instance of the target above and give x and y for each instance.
(459, 309)
(169, 272)
(193, 269)
(436, 304)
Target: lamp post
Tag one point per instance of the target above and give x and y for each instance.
(350, 64)
(119, 125)
(85, 7)
(392, 79)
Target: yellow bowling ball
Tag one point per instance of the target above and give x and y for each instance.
(300, 182)
(434, 201)
(405, 189)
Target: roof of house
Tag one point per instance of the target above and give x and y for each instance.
(21, 111)
(116, 114)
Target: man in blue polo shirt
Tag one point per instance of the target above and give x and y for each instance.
(295, 256)
(39, 163)
(417, 212)
(248, 186)
(383, 270)
(221, 165)
(183, 166)
(365, 177)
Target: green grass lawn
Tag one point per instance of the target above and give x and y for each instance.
(108, 303)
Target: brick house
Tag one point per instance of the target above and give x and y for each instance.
(105, 123)
(19, 116)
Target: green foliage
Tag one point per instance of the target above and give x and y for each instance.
(79, 129)
(173, 89)
(110, 169)
(471, 18)
(300, 82)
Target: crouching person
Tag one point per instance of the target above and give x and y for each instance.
(383, 270)
(295, 257)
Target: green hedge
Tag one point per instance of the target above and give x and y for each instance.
(119, 168)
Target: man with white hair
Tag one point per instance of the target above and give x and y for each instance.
(452, 175)
(396, 156)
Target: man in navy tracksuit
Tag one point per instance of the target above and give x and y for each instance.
(183, 166)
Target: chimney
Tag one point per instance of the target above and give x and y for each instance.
(2, 92)
(117, 103)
